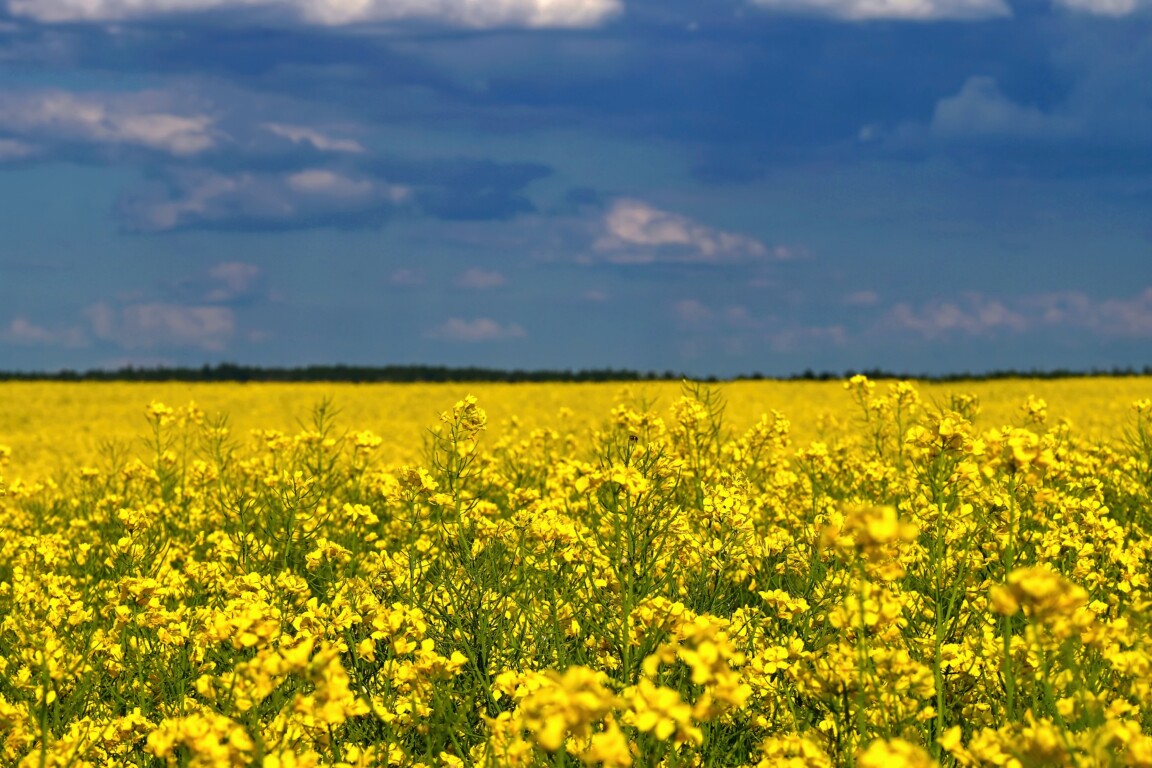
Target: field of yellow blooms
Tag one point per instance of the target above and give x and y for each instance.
(854, 573)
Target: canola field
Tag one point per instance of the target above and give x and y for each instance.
(850, 573)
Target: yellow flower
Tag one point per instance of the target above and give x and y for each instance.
(661, 711)
(610, 747)
(792, 751)
(567, 704)
(159, 413)
(1035, 409)
(1041, 592)
(895, 753)
(468, 416)
(212, 741)
(877, 526)
(629, 479)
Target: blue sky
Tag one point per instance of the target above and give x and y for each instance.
(713, 187)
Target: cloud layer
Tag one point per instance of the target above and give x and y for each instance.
(467, 13)
(183, 197)
(313, 197)
(979, 316)
(981, 111)
(1114, 8)
(147, 120)
(198, 313)
(910, 10)
(156, 325)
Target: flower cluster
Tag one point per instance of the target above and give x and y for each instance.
(913, 578)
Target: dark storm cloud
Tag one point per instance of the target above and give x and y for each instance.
(742, 88)
(318, 62)
(744, 94)
(725, 73)
(1087, 115)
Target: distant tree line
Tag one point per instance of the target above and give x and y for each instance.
(1009, 373)
(233, 372)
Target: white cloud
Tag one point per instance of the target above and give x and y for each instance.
(132, 119)
(480, 279)
(634, 232)
(195, 202)
(119, 119)
(299, 134)
(975, 315)
(142, 324)
(256, 200)
(595, 295)
(21, 331)
(480, 329)
(467, 13)
(1131, 317)
(908, 10)
(972, 315)
(789, 253)
(232, 280)
(980, 109)
(1102, 7)
(192, 204)
(149, 325)
(321, 182)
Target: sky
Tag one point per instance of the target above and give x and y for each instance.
(713, 187)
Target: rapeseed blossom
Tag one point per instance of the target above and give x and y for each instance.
(932, 578)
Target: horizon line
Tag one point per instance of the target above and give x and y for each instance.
(427, 373)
